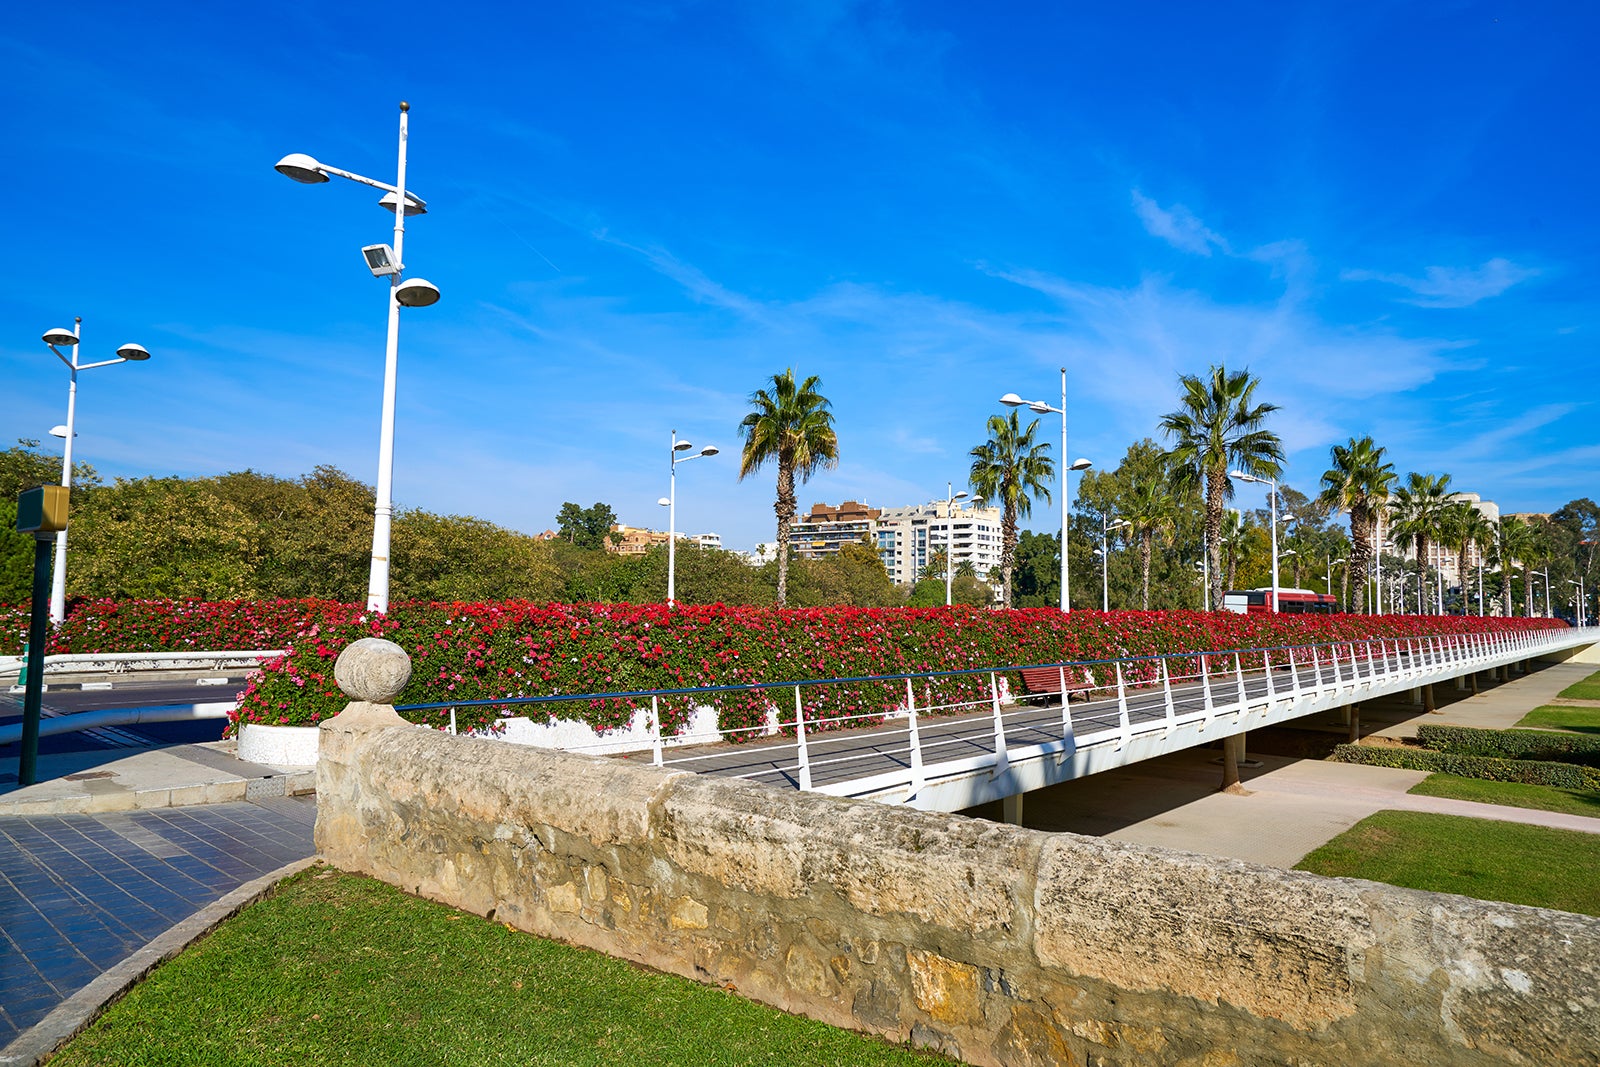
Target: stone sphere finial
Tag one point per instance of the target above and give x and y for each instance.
(373, 670)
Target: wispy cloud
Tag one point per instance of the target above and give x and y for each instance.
(1450, 287)
(1177, 226)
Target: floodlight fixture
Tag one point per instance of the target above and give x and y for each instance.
(381, 260)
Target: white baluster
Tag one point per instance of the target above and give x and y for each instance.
(800, 741)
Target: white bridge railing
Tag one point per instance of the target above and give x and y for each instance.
(1203, 696)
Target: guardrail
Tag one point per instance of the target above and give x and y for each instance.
(121, 661)
(1217, 693)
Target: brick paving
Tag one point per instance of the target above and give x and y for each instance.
(80, 893)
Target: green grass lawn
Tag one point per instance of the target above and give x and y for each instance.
(1588, 689)
(1511, 794)
(1577, 720)
(337, 969)
(1474, 857)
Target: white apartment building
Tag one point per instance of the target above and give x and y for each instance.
(906, 537)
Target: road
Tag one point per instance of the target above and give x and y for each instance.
(124, 694)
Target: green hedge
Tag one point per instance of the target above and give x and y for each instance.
(1511, 744)
(1528, 772)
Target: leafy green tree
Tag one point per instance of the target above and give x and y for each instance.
(162, 538)
(792, 426)
(854, 576)
(314, 533)
(1358, 482)
(1218, 428)
(1419, 507)
(1036, 570)
(1010, 469)
(454, 558)
(16, 557)
(704, 576)
(588, 527)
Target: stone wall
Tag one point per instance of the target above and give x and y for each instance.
(997, 944)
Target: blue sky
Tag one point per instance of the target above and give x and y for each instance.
(639, 212)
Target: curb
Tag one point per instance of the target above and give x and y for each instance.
(73, 1015)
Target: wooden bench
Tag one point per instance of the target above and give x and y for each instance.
(1046, 681)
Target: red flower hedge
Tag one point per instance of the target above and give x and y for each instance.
(491, 651)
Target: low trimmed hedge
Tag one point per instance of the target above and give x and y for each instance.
(1489, 768)
(1511, 744)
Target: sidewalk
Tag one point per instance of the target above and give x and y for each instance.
(206, 773)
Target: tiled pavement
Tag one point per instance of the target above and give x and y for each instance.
(80, 893)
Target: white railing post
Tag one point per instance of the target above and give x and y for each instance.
(1333, 656)
(1205, 687)
(1066, 712)
(1316, 668)
(1294, 676)
(1266, 669)
(1124, 725)
(655, 730)
(1355, 670)
(1001, 761)
(1166, 690)
(800, 741)
(1238, 673)
(917, 779)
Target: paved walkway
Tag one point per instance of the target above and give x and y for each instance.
(81, 893)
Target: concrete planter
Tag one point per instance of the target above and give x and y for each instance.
(279, 746)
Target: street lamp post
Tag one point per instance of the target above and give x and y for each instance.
(56, 340)
(1106, 526)
(1012, 400)
(671, 504)
(1327, 580)
(950, 536)
(1272, 506)
(382, 261)
(1583, 604)
(1549, 606)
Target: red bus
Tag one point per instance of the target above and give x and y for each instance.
(1290, 602)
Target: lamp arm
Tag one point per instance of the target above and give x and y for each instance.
(70, 365)
(102, 363)
(364, 180)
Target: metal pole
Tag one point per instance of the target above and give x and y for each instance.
(33, 693)
(58, 578)
(949, 537)
(672, 523)
(383, 510)
(1105, 565)
(1066, 497)
(1272, 502)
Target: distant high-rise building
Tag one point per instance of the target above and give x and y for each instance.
(905, 538)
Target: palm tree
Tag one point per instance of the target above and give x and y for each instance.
(1516, 547)
(1358, 482)
(1011, 469)
(1149, 509)
(1214, 430)
(1464, 528)
(791, 424)
(1419, 509)
(1230, 544)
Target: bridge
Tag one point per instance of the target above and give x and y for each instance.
(951, 756)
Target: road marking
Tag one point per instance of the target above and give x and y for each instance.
(97, 685)
(211, 681)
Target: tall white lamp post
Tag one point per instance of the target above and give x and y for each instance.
(58, 339)
(950, 535)
(1327, 580)
(1272, 504)
(1549, 605)
(382, 261)
(1583, 604)
(671, 504)
(1012, 400)
(1106, 526)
